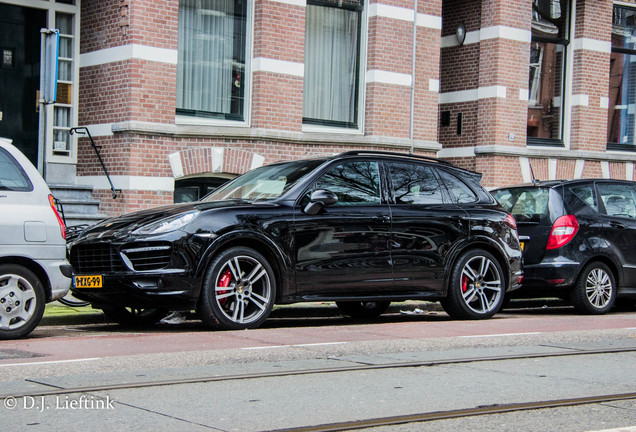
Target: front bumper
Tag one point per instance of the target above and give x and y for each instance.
(171, 290)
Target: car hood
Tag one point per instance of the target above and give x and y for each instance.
(121, 226)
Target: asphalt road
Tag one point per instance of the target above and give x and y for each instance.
(76, 355)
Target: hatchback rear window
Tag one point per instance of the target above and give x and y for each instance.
(525, 204)
(12, 176)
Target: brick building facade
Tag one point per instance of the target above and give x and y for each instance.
(528, 91)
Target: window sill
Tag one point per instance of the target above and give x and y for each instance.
(200, 121)
(311, 128)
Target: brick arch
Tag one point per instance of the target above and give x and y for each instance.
(213, 160)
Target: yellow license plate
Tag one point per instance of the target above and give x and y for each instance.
(87, 281)
(522, 244)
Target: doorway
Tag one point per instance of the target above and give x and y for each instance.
(20, 76)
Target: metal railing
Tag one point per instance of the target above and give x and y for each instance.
(84, 131)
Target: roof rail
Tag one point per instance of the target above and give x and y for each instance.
(387, 153)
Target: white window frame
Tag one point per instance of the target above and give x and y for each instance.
(186, 120)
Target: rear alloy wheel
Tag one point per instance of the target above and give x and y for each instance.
(238, 291)
(595, 290)
(477, 285)
(134, 317)
(22, 301)
(363, 309)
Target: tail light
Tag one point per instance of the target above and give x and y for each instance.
(563, 230)
(510, 221)
(57, 215)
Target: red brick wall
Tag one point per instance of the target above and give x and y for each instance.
(491, 62)
(499, 170)
(591, 76)
(279, 34)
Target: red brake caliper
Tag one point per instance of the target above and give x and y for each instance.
(224, 282)
(464, 283)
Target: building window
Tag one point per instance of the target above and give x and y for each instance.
(62, 112)
(332, 63)
(211, 64)
(622, 91)
(547, 71)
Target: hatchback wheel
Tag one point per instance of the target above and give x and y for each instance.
(363, 309)
(595, 290)
(134, 317)
(238, 291)
(22, 301)
(476, 288)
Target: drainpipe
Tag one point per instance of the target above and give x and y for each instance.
(413, 58)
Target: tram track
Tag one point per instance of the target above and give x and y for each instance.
(58, 390)
(459, 413)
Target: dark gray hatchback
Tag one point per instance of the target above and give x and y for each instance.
(578, 239)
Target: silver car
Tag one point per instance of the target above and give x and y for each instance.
(33, 265)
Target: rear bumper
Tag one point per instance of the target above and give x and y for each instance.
(58, 272)
(552, 275)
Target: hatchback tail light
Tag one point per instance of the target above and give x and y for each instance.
(57, 215)
(563, 230)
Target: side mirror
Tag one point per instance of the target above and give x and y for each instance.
(320, 199)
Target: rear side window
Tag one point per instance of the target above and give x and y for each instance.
(460, 192)
(618, 199)
(12, 176)
(525, 204)
(414, 184)
(582, 194)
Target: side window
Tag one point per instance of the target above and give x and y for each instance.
(460, 192)
(414, 184)
(354, 182)
(619, 199)
(586, 194)
(12, 176)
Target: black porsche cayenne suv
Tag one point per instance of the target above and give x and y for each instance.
(362, 228)
(579, 240)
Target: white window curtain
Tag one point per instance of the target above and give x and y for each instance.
(206, 41)
(331, 64)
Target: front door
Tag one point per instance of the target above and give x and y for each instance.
(619, 225)
(20, 76)
(345, 250)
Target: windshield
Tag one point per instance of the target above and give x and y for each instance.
(264, 183)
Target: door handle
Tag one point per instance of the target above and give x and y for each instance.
(617, 225)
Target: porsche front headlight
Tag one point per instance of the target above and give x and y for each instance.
(168, 224)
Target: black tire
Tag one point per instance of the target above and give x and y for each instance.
(22, 301)
(476, 286)
(594, 292)
(363, 309)
(239, 290)
(133, 317)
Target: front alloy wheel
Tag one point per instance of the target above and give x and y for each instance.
(477, 286)
(239, 290)
(594, 291)
(21, 301)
